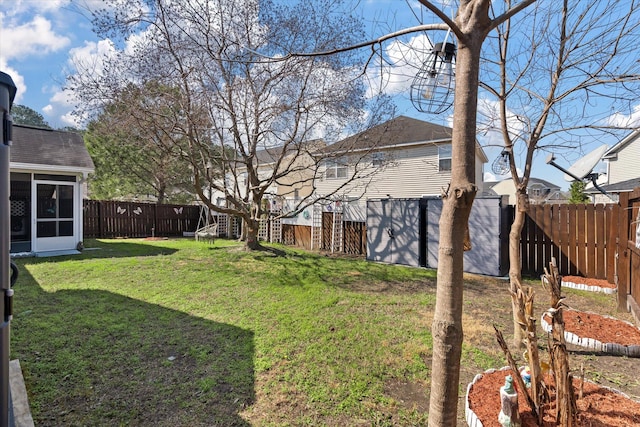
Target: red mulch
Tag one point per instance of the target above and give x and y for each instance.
(601, 328)
(599, 406)
(589, 282)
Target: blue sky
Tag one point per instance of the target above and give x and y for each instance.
(38, 38)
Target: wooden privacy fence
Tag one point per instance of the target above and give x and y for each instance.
(628, 241)
(109, 219)
(581, 237)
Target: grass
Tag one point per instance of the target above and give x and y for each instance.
(182, 333)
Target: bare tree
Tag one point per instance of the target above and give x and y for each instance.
(234, 105)
(556, 74)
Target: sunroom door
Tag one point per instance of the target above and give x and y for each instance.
(55, 213)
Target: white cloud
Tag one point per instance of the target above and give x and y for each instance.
(18, 80)
(91, 55)
(35, 37)
(626, 120)
(402, 61)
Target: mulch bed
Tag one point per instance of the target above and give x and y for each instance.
(598, 407)
(600, 333)
(587, 284)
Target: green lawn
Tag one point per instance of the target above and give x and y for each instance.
(182, 333)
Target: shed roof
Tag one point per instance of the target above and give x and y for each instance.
(49, 149)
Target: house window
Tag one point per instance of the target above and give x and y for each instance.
(377, 159)
(535, 192)
(444, 157)
(336, 169)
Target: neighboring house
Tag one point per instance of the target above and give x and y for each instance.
(623, 174)
(296, 168)
(402, 158)
(539, 190)
(48, 173)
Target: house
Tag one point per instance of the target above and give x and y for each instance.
(293, 171)
(622, 174)
(295, 168)
(401, 158)
(539, 190)
(48, 172)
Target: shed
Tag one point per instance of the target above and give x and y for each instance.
(406, 231)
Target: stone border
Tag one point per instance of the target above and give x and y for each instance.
(590, 288)
(473, 420)
(583, 287)
(593, 344)
(19, 400)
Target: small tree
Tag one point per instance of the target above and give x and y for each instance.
(576, 193)
(550, 68)
(472, 24)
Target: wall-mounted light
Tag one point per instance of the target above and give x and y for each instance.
(432, 87)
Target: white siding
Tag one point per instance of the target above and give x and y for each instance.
(412, 172)
(479, 174)
(625, 165)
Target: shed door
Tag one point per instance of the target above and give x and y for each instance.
(55, 215)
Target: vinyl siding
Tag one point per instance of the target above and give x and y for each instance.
(625, 166)
(412, 172)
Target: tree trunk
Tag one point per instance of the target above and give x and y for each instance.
(447, 321)
(251, 242)
(162, 191)
(566, 409)
(515, 274)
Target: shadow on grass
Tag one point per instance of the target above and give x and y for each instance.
(122, 248)
(98, 358)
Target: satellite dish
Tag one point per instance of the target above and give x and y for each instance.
(583, 167)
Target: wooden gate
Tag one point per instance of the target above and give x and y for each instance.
(577, 236)
(628, 265)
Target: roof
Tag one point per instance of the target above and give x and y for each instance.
(39, 148)
(618, 187)
(532, 181)
(397, 131)
(542, 182)
(273, 154)
(620, 145)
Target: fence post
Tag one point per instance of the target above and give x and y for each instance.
(624, 260)
(100, 220)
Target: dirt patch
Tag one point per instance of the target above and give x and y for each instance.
(408, 394)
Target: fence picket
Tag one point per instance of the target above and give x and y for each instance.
(577, 235)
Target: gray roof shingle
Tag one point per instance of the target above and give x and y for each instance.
(53, 148)
(398, 131)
